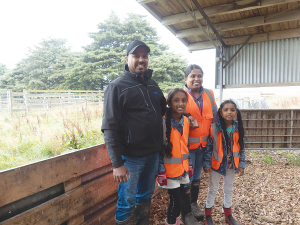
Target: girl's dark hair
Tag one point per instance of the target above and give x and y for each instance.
(169, 146)
(240, 124)
(189, 69)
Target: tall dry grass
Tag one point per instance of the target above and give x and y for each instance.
(284, 102)
(29, 138)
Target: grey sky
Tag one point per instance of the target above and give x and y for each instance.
(24, 24)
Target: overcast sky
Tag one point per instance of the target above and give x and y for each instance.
(24, 23)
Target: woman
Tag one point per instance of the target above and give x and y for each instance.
(202, 107)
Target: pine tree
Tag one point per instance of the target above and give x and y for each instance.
(105, 56)
(37, 71)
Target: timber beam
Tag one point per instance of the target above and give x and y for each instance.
(244, 23)
(222, 9)
(145, 1)
(271, 36)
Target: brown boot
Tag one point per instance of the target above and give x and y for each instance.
(125, 222)
(187, 217)
(208, 218)
(198, 213)
(141, 213)
(228, 217)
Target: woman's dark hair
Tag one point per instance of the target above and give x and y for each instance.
(240, 124)
(169, 146)
(189, 69)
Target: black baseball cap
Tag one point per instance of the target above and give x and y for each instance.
(134, 44)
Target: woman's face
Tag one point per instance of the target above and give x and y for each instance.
(194, 80)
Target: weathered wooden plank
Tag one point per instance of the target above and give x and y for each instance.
(10, 210)
(79, 219)
(222, 9)
(68, 205)
(72, 183)
(100, 207)
(85, 178)
(274, 19)
(106, 216)
(276, 35)
(26, 180)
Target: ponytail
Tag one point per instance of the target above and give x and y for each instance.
(223, 126)
(169, 146)
(241, 130)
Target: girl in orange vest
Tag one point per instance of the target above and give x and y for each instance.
(202, 107)
(174, 169)
(225, 156)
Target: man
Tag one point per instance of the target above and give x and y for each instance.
(132, 126)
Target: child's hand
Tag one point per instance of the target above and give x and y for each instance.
(162, 179)
(193, 123)
(190, 171)
(241, 171)
(207, 169)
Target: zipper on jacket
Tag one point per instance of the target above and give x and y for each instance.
(151, 102)
(129, 137)
(144, 98)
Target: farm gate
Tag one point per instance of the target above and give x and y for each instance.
(32, 100)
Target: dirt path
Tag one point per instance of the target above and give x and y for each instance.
(266, 194)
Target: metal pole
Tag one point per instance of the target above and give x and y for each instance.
(199, 25)
(238, 50)
(222, 70)
(209, 23)
(291, 132)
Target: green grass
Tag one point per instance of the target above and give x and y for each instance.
(293, 159)
(26, 139)
(266, 158)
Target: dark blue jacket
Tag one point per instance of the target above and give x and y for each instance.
(209, 149)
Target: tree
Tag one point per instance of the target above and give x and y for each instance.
(51, 65)
(41, 69)
(3, 69)
(104, 57)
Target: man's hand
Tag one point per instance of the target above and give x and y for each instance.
(121, 173)
(241, 171)
(207, 169)
(193, 123)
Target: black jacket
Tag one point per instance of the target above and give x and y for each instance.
(132, 116)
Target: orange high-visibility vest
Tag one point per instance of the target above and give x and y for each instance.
(217, 154)
(199, 136)
(179, 162)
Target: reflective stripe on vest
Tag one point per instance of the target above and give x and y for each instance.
(175, 160)
(217, 154)
(199, 136)
(179, 163)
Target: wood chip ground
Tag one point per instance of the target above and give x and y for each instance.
(266, 194)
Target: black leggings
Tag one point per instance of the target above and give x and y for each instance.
(174, 206)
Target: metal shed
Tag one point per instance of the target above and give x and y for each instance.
(257, 41)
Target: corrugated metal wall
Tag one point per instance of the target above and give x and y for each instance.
(268, 62)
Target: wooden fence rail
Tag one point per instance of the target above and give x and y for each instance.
(75, 188)
(31, 100)
(272, 128)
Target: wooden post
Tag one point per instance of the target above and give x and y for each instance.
(25, 101)
(9, 99)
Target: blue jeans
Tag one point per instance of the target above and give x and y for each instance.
(197, 158)
(139, 187)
